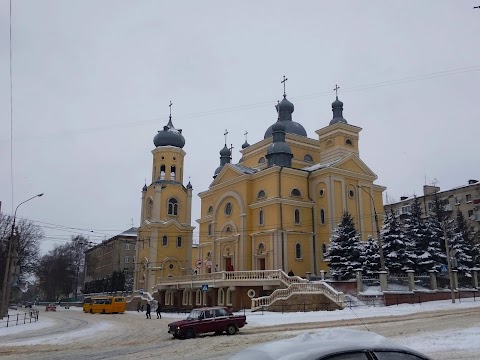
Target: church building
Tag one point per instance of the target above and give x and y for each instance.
(274, 210)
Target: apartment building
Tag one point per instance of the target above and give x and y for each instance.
(465, 198)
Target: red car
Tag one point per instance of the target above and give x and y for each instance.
(207, 320)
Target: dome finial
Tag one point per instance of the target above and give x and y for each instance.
(336, 90)
(245, 144)
(337, 109)
(283, 82)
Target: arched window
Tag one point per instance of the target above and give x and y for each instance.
(296, 192)
(260, 217)
(322, 216)
(172, 173)
(210, 232)
(261, 194)
(308, 158)
(261, 248)
(185, 297)
(210, 209)
(228, 229)
(165, 240)
(228, 209)
(329, 143)
(149, 209)
(172, 206)
(298, 251)
(349, 142)
(296, 216)
(162, 172)
(198, 297)
(324, 249)
(229, 296)
(261, 160)
(168, 297)
(179, 241)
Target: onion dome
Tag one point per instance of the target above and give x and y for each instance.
(285, 109)
(245, 145)
(189, 185)
(337, 109)
(225, 158)
(144, 188)
(169, 136)
(279, 152)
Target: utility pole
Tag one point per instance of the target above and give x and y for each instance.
(379, 236)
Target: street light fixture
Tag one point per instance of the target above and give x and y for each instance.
(379, 238)
(6, 277)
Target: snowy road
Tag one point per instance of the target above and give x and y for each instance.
(445, 332)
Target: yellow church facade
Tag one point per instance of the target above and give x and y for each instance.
(274, 210)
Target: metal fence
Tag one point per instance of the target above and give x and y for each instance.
(19, 319)
(465, 281)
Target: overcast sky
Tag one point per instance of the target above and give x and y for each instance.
(92, 81)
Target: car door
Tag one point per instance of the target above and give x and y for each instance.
(221, 320)
(205, 323)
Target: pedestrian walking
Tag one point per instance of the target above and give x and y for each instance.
(159, 309)
(149, 307)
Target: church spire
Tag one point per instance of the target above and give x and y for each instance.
(337, 109)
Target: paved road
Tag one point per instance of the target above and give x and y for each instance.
(125, 336)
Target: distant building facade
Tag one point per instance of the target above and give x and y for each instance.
(465, 198)
(114, 254)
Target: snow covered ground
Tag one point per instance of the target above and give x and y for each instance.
(68, 329)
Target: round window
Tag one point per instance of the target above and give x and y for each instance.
(322, 192)
(170, 266)
(228, 209)
(174, 158)
(163, 157)
(351, 193)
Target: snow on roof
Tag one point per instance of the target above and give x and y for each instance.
(313, 345)
(321, 165)
(244, 169)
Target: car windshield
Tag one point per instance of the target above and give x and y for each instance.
(194, 315)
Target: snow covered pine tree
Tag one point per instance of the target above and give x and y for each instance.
(396, 248)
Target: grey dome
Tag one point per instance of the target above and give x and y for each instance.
(189, 185)
(225, 151)
(279, 148)
(245, 145)
(285, 109)
(337, 109)
(278, 126)
(169, 136)
(144, 188)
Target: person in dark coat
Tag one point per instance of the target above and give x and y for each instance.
(149, 307)
(159, 309)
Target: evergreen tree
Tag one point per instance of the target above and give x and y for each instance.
(462, 246)
(419, 236)
(435, 223)
(396, 248)
(370, 257)
(344, 251)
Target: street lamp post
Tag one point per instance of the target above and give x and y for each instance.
(6, 276)
(449, 262)
(379, 238)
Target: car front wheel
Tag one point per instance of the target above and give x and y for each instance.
(231, 329)
(189, 334)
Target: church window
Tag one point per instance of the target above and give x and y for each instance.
(261, 194)
(228, 209)
(170, 266)
(321, 193)
(261, 248)
(261, 160)
(351, 193)
(298, 251)
(174, 158)
(172, 206)
(210, 209)
(149, 208)
(296, 192)
(349, 142)
(322, 216)
(308, 158)
(165, 240)
(260, 217)
(329, 143)
(210, 230)
(296, 216)
(172, 173)
(228, 229)
(324, 249)
(179, 241)
(209, 255)
(162, 172)
(163, 157)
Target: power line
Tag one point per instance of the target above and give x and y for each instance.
(212, 112)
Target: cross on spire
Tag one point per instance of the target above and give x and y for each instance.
(283, 82)
(225, 134)
(336, 90)
(246, 133)
(170, 106)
